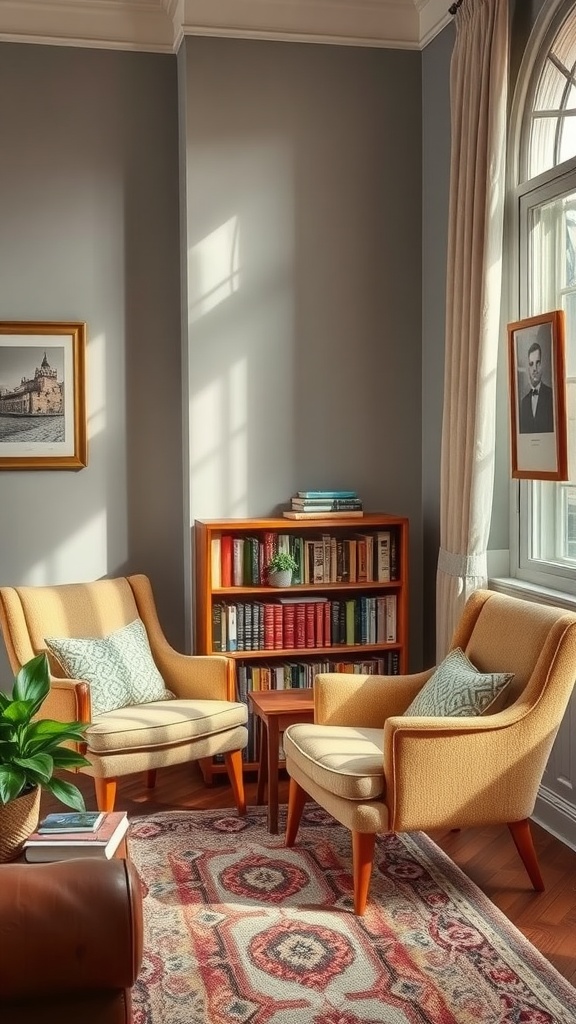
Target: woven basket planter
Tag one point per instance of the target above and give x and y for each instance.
(18, 820)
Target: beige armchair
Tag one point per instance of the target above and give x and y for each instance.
(201, 721)
(376, 770)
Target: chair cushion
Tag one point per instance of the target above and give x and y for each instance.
(457, 689)
(162, 723)
(119, 667)
(347, 762)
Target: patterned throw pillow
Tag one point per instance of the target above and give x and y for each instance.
(457, 689)
(119, 667)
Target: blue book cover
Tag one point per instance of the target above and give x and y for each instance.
(73, 821)
(327, 494)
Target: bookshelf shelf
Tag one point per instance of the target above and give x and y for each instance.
(271, 592)
(296, 652)
(359, 617)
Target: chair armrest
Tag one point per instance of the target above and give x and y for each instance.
(458, 772)
(68, 701)
(198, 676)
(69, 926)
(364, 702)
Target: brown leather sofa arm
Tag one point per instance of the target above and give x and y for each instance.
(68, 927)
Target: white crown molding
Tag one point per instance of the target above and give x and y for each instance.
(434, 16)
(113, 24)
(159, 25)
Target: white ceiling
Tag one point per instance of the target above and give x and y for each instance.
(159, 25)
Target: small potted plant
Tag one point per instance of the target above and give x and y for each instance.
(31, 749)
(280, 569)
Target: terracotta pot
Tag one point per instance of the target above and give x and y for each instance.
(18, 820)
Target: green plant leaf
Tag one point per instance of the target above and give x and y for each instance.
(18, 711)
(66, 758)
(41, 766)
(31, 749)
(33, 681)
(67, 794)
(12, 782)
(47, 734)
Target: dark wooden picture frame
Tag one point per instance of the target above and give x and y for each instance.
(537, 376)
(42, 395)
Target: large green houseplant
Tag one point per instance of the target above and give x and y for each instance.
(31, 749)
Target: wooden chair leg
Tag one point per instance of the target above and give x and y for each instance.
(151, 778)
(297, 798)
(105, 794)
(206, 765)
(235, 768)
(362, 858)
(522, 836)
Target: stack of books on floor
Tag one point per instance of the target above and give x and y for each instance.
(325, 505)
(77, 834)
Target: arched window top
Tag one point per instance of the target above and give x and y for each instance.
(550, 121)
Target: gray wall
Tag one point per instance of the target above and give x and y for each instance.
(435, 199)
(301, 183)
(89, 215)
(304, 278)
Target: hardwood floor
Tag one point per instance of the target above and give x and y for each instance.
(488, 856)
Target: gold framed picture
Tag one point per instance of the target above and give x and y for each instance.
(537, 375)
(42, 395)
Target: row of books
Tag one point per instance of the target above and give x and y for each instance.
(87, 834)
(240, 561)
(314, 622)
(300, 675)
(288, 675)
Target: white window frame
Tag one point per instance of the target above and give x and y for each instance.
(550, 573)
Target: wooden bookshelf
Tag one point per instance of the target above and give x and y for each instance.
(344, 639)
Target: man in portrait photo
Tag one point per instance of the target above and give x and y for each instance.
(537, 405)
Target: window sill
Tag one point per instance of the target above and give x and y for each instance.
(532, 592)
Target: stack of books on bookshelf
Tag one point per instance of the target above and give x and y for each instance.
(84, 834)
(325, 504)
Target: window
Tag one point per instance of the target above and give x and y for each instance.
(545, 213)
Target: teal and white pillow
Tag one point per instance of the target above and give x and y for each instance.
(119, 667)
(457, 689)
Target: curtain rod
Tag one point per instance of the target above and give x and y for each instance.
(452, 10)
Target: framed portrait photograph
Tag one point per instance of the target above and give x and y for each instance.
(536, 359)
(42, 395)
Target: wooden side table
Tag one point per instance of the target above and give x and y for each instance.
(276, 709)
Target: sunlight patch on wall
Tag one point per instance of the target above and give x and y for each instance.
(96, 377)
(218, 443)
(214, 269)
(238, 476)
(77, 558)
(207, 426)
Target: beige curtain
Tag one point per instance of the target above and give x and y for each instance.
(478, 91)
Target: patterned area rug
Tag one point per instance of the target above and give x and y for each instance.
(240, 930)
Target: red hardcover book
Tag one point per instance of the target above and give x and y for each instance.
(301, 625)
(327, 624)
(269, 643)
(102, 842)
(268, 549)
(319, 614)
(226, 560)
(278, 627)
(310, 625)
(289, 624)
